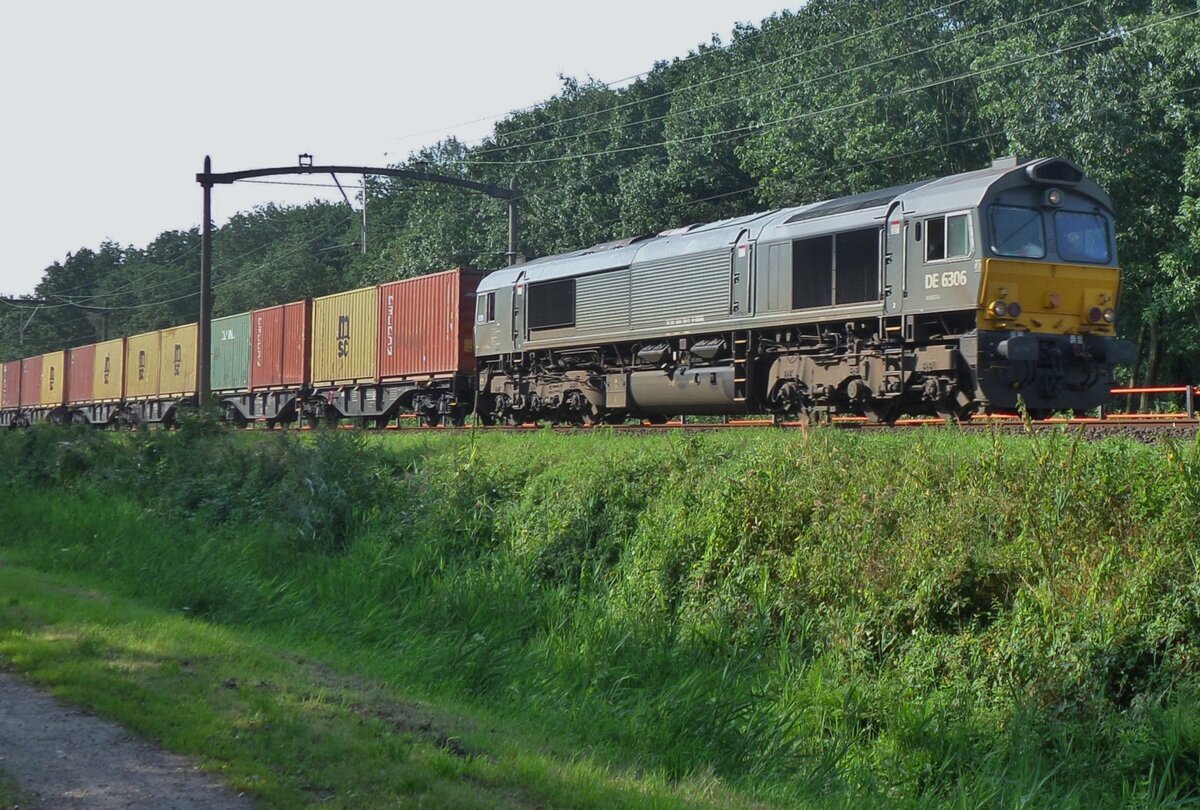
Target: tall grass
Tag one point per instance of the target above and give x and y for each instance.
(921, 619)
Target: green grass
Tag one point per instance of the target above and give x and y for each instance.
(11, 797)
(284, 727)
(914, 619)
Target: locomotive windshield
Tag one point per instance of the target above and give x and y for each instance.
(1018, 232)
(1081, 237)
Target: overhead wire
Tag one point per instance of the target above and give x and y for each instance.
(738, 73)
(227, 263)
(243, 276)
(152, 270)
(741, 131)
(736, 133)
(156, 268)
(842, 168)
(699, 54)
(775, 90)
(857, 35)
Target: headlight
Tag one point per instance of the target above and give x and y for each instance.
(1095, 314)
(1110, 315)
(1014, 310)
(999, 309)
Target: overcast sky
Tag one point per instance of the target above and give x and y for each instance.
(110, 107)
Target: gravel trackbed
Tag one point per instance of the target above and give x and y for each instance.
(61, 757)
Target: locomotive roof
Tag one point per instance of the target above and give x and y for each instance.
(945, 194)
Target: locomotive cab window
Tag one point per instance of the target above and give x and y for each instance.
(947, 237)
(1018, 232)
(485, 309)
(551, 304)
(1081, 237)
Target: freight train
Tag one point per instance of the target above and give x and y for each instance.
(974, 292)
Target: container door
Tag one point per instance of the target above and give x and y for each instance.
(518, 312)
(739, 275)
(894, 260)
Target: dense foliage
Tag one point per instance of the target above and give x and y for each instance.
(1003, 620)
(836, 98)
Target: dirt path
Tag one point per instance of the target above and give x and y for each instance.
(63, 758)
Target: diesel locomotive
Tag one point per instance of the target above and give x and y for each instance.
(974, 292)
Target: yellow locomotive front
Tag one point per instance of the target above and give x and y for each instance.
(1048, 294)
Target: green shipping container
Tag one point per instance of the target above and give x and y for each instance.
(231, 353)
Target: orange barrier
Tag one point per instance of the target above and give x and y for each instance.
(1189, 399)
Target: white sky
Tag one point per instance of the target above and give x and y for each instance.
(107, 109)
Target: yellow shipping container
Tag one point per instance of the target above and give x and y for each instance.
(141, 365)
(109, 370)
(54, 378)
(177, 368)
(345, 337)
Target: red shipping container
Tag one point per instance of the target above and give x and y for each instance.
(10, 396)
(426, 324)
(31, 382)
(81, 372)
(279, 342)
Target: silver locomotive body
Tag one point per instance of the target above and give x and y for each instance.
(975, 291)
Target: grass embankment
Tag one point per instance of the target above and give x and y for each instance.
(912, 619)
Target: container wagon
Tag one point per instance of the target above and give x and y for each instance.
(10, 395)
(34, 390)
(160, 374)
(260, 363)
(402, 346)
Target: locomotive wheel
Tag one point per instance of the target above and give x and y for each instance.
(882, 412)
(952, 412)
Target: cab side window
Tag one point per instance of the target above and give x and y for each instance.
(485, 310)
(947, 237)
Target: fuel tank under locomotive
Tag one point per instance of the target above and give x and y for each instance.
(702, 390)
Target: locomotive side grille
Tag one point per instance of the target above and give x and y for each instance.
(602, 303)
(685, 289)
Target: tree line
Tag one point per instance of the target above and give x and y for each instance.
(839, 97)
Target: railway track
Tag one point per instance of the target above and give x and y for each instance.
(1143, 427)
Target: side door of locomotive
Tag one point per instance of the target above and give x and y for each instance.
(895, 262)
(740, 263)
(519, 291)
